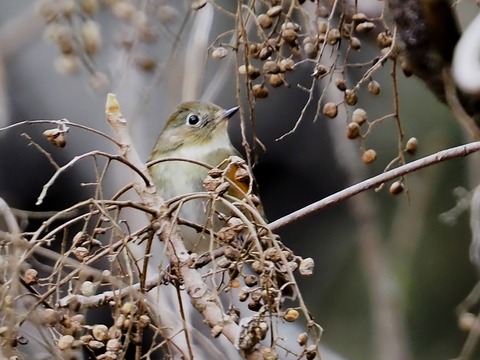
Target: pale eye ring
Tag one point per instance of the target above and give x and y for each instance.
(193, 120)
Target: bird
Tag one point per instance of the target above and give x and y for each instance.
(196, 132)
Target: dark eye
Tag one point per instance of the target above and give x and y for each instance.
(193, 120)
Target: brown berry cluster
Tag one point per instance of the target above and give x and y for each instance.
(70, 25)
(256, 262)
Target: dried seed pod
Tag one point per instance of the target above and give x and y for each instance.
(68, 8)
(289, 35)
(95, 345)
(254, 305)
(396, 188)
(235, 284)
(341, 84)
(355, 43)
(273, 254)
(353, 130)
(274, 11)
(311, 50)
(211, 184)
(89, 6)
(311, 352)
(251, 280)
(364, 27)
(302, 339)
(260, 91)
(373, 87)
(114, 345)
(223, 262)
(243, 295)
(411, 146)
(123, 10)
(265, 53)
(251, 71)
(276, 80)
(167, 14)
(322, 27)
(351, 97)
(91, 37)
(308, 40)
(264, 21)
(254, 49)
(369, 156)
(232, 253)
(319, 70)
(306, 266)
(65, 342)
(258, 266)
(291, 315)
(359, 18)
(271, 67)
(48, 10)
(100, 332)
(128, 308)
(144, 321)
(87, 288)
(67, 64)
(333, 36)
(31, 276)
(330, 110)
(384, 39)
(359, 116)
(219, 53)
(51, 317)
(322, 11)
(56, 136)
(198, 4)
(286, 64)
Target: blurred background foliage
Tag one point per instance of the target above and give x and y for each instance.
(427, 257)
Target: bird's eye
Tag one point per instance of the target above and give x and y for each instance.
(193, 120)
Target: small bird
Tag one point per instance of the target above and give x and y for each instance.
(195, 131)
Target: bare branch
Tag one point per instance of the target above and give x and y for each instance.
(375, 181)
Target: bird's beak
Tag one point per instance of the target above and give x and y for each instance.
(230, 112)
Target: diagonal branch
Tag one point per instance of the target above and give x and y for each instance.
(452, 153)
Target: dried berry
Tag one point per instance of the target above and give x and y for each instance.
(276, 80)
(340, 84)
(219, 53)
(260, 91)
(264, 21)
(396, 188)
(353, 130)
(369, 156)
(384, 39)
(291, 315)
(274, 11)
(271, 67)
(351, 97)
(330, 110)
(364, 27)
(355, 43)
(412, 145)
(373, 87)
(359, 116)
(333, 36)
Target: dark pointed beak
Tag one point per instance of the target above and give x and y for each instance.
(230, 112)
